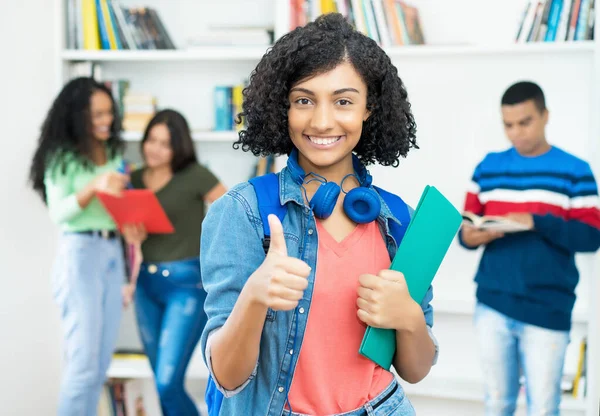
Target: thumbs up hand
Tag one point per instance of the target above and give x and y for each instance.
(280, 281)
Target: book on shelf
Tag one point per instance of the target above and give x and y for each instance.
(122, 397)
(557, 21)
(573, 382)
(107, 25)
(228, 100)
(388, 22)
(138, 110)
(264, 165)
(579, 381)
(492, 223)
(124, 353)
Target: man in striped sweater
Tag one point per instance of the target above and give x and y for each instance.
(526, 281)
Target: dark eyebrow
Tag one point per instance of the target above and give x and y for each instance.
(525, 120)
(304, 90)
(336, 92)
(343, 90)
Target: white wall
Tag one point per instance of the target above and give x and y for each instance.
(30, 347)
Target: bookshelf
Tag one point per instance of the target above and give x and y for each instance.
(139, 367)
(230, 53)
(470, 391)
(255, 53)
(454, 83)
(197, 136)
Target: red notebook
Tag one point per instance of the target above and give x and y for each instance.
(137, 206)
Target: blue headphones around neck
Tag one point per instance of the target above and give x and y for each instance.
(361, 205)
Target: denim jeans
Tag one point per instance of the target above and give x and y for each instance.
(390, 402)
(87, 280)
(510, 348)
(169, 305)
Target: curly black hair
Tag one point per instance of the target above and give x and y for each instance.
(318, 47)
(66, 131)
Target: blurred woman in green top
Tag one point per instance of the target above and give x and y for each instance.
(78, 155)
(169, 297)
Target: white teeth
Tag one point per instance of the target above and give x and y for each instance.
(323, 140)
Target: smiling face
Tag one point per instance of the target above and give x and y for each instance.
(101, 115)
(157, 147)
(326, 116)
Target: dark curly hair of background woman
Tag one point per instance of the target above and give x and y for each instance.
(66, 131)
(314, 49)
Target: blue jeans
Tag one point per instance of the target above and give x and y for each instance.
(391, 401)
(169, 305)
(87, 279)
(510, 348)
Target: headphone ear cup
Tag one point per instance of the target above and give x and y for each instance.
(362, 205)
(324, 200)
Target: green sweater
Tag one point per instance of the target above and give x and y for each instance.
(61, 190)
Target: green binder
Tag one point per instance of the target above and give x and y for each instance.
(425, 243)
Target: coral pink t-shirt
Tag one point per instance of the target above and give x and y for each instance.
(331, 376)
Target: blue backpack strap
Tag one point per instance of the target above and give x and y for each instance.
(267, 196)
(213, 398)
(399, 209)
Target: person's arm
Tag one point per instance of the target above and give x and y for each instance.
(215, 193)
(470, 237)
(241, 284)
(134, 235)
(384, 302)
(64, 203)
(209, 187)
(579, 231)
(418, 346)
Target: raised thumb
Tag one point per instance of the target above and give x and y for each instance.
(277, 244)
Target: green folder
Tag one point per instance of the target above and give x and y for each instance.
(426, 241)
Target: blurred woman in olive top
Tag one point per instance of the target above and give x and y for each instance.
(78, 154)
(169, 298)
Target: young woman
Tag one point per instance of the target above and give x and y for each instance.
(169, 298)
(78, 155)
(284, 330)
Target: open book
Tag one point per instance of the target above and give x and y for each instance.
(494, 223)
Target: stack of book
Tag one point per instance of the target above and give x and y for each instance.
(557, 21)
(105, 24)
(388, 22)
(138, 110)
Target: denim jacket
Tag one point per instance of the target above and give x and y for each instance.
(231, 250)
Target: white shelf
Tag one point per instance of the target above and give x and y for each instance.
(197, 136)
(140, 368)
(231, 53)
(466, 307)
(254, 53)
(471, 391)
(523, 48)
